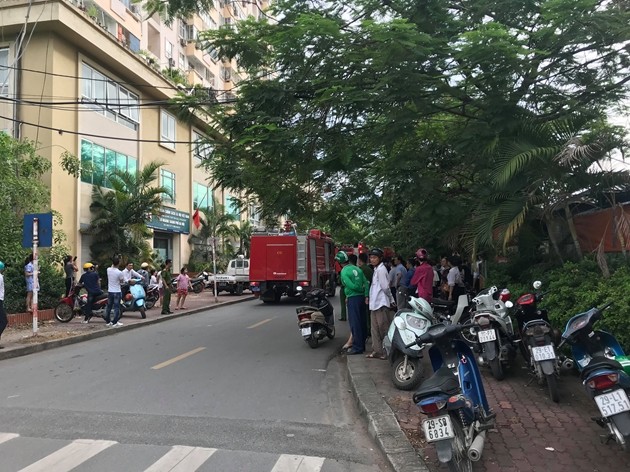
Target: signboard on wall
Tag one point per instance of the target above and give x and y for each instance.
(171, 221)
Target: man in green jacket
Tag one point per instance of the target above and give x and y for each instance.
(356, 288)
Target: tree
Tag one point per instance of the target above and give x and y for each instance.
(244, 234)
(216, 225)
(120, 214)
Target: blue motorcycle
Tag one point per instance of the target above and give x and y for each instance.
(453, 399)
(134, 298)
(596, 354)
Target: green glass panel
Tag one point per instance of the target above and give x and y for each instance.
(98, 165)
(121, 162)
(86, 161)
(132, 165)
(110, 164)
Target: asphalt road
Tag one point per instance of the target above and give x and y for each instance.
(232, 389)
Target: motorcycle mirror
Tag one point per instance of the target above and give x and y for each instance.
(509, 304)
(537, 284)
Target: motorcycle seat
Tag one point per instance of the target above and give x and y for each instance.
(443, 303)
(442, 381)
(600, 362)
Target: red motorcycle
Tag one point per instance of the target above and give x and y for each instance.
(76, 303)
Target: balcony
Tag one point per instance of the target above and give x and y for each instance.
(193, 53)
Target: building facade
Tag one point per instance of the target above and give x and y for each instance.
(93, 78)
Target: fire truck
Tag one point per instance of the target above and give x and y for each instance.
(282, 261)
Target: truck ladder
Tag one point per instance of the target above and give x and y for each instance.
(301, 258)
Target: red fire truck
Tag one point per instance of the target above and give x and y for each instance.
(282, 261)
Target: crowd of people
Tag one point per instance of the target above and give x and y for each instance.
(373, 287)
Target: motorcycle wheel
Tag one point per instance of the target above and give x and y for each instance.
(469, 338)
(409, 379)
(149, 303)
(460, 461)
(143, 312)
(497, 369)
(313, 342)
(198, 288)
(552, 386)
(64, 313)
(331, 333)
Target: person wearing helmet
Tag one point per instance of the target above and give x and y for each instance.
(356, 288)
(3, 314)
(381, 302)
(146, 276)
(423, 276)
(89, 280)
(342, 258)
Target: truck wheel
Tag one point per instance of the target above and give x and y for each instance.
(239, 289)
(277, 297)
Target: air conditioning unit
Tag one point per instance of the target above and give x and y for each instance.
(183, 42)
(227, 75)
(135, 9)
(171, 62)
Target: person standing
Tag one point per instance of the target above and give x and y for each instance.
(29, 272)
(3, 314)
(114, 293)
(455, 279)
(381, 300)
(396, 274)
(160, 284)
(356, 288)
(90, 282)
(369, 273)
(406, 289)
(423, 276)
(70, 269)
(166, 285)
(183, 285)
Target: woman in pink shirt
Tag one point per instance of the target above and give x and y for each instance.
(183, 284)
(423, 276)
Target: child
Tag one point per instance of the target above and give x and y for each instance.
(183, 284)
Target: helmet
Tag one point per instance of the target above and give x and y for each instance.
(341, 257)
(422, 254)
(1, 265)
(128, 297)
(376, 252)
(87, 266)
(144, 265)
(421, 306)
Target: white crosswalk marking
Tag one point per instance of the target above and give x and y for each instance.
(182, 459)
(4, 437)
(289, 463)
(69, 457)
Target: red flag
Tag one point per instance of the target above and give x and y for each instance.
(196, 219)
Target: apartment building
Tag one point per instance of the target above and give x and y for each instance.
(93, 78)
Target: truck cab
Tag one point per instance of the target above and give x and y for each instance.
(235, 279)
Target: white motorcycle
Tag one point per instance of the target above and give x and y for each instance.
(406, 326)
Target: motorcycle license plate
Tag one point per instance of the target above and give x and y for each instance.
(438, 428)
(612, 403)
(543, 353)
(306, 331)
(487, 336)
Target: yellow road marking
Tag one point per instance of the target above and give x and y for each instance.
(260, 323)
(178, 358)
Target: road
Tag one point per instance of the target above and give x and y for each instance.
(232, 389)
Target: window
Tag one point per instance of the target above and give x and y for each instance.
(167, 180)
(168, 49)
(4, 72)
(202, 149)
(100, 162)
(210, 78)
(182, 30)
(191, 33)
(202, 196)
(231, 206)
(182, 61)
(106, 97)
(167, 130)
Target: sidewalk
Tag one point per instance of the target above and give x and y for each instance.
(19, 340)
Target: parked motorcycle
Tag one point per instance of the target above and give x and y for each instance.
(597, 355)
(453, 399)
(151, 297)
(197, 283)
(134, 298)
(406, 326)
(538, 340)
(76, 303)
(494, 330)
(317, 320)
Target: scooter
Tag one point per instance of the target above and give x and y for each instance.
(538, 341)
(598, 356)
(494, 330)
(152, 296)
(134, 299)
(316, 320)
(406, 326)
(76, 303)
(454, 399)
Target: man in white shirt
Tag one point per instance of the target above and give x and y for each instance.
(114, 293)
(129, 273)
(381, 301)
(3, 314)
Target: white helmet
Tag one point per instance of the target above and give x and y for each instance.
(421, 306)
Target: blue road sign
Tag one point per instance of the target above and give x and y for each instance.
(44, 229)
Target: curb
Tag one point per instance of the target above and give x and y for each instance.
(382, 423)
(33, 348)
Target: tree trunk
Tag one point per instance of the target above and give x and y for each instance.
(552, 239)
(574, 236)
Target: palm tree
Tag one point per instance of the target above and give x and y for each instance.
(215, 224)
(120, 214)
(244, 234)
(548, 167)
